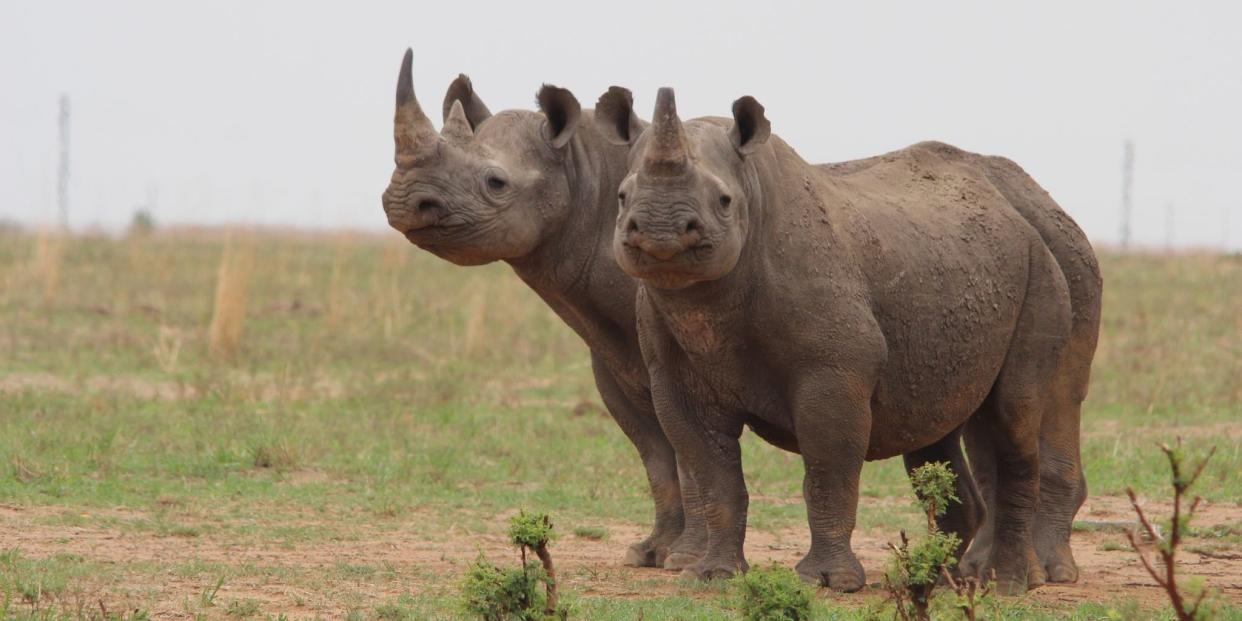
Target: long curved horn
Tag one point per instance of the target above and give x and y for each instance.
(666, 155)
(411, 127)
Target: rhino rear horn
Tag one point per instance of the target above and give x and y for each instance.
(456, 127)
(666, 155)
(462, 89)
(411, 127)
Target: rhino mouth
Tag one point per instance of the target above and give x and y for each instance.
(689, 265)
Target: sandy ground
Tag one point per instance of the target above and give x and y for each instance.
(419, 564)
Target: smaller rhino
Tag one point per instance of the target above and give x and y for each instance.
(848, 318)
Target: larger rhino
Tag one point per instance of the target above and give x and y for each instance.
(845, 317)
(454, 195)
(536, 189)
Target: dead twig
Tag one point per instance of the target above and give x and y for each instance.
(1167, 547)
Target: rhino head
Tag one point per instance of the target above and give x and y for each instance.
(483, 189)
(685, 204)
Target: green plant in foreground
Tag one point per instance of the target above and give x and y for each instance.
(914, 570)
(494, 593)
(500, 594)
(1190, 603)
(772, 593)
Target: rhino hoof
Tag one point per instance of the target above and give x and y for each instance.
(679, 560)
(643, 554)
(844, 574)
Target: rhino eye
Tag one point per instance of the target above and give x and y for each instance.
(725, 200)
(496, 184)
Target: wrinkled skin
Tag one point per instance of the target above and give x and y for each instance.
(599, 305)
(1063, 487)
(849, 317)
(537, 190)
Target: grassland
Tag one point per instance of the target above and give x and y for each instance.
(384, 411)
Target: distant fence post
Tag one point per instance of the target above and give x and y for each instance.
(62, 170)
(1127, 180)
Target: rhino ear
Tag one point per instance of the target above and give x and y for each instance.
(615, 118)
(750, 127)
(463, 90)
(563, 112)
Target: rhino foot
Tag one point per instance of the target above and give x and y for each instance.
(708, 569)
(842, 572)
(681, 559)
(645, 553)
(1059, 565)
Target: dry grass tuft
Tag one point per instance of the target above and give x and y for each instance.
(476, 312)
(228, 315)
(45, 268)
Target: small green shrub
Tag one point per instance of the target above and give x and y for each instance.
(494, 593)
(915, 570)
(530, 530)
(934, 485)
(772, 593)
(919, 564)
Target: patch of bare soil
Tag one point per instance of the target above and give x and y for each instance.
(303, 579)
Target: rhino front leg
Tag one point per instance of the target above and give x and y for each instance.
(832, 415)
(640, 425)
(692, 543)
(712, 459)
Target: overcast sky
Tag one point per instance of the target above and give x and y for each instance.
(280, 112)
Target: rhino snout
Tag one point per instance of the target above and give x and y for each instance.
(412, 213)
(663, 238)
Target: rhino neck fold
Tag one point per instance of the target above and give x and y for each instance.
(572, 268)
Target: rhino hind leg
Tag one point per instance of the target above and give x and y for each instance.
(1063, 487)
(1062, 491)
(1021, 398)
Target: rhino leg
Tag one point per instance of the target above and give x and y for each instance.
(983, 466)
(1063, 488)
(712, 458)
(832, 415)
(962, 518)
(692, 543)
(643, 429)
(1021, 399)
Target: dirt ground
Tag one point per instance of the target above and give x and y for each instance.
(588, 567)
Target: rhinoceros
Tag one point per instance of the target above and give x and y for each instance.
(847, 317)
(536, 189)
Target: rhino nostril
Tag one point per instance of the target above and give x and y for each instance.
(428, 205)
(694, 225)
(631, 226)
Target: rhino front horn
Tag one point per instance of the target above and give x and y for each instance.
(667, 154)
(411, 127)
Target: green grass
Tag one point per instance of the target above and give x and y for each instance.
(376, 383)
